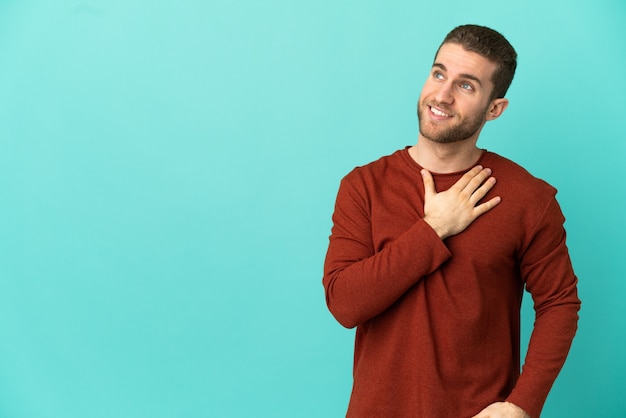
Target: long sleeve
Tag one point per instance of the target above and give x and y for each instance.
(438, 322)
(547, 271)
(360, 280)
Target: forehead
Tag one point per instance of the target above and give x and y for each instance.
(459, 61)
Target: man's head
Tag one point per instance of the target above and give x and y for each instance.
(491, 45)
(472, 71)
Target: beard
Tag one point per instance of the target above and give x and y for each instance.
(459, 131)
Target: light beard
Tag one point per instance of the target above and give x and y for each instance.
(462, 130)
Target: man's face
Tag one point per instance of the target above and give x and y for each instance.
(456, 97)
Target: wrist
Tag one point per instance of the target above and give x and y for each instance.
(439, 229)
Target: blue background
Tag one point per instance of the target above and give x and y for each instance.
(168, 172)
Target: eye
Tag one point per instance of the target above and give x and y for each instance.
(466, 86)
(438, 75)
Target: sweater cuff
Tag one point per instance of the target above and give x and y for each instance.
(532, 404)
(440, 251)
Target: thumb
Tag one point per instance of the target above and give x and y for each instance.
(429, 183)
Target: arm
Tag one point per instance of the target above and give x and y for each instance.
(545, 266)
(361, 282)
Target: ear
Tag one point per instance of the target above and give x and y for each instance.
(496, 107)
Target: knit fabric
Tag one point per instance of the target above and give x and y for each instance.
(438, 322)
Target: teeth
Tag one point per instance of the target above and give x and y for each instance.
(438, 112)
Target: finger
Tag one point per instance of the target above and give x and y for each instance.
(487, 206)
(429, 183)
(468, 177)
(475, 182)
(482, 191)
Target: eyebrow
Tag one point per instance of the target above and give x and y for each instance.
(467, 76)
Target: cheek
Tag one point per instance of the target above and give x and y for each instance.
(423, 95)
(427, 89)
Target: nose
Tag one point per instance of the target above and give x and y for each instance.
(444, 93)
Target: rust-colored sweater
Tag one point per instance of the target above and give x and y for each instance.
(438, 322)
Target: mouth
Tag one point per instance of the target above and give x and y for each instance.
(438, 112)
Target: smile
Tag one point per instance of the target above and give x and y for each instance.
(438, 112)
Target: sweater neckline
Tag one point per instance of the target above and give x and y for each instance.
(407, 158)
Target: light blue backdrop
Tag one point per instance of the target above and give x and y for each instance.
(168, 172)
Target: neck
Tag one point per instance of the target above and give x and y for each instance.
(445, 158)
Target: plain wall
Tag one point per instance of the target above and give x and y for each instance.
(168, 173)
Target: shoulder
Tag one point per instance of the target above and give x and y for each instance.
(381, 169)
(529, 205)
(516, 179)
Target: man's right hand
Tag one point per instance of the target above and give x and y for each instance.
(450, 212)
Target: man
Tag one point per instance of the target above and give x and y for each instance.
(429, 257)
